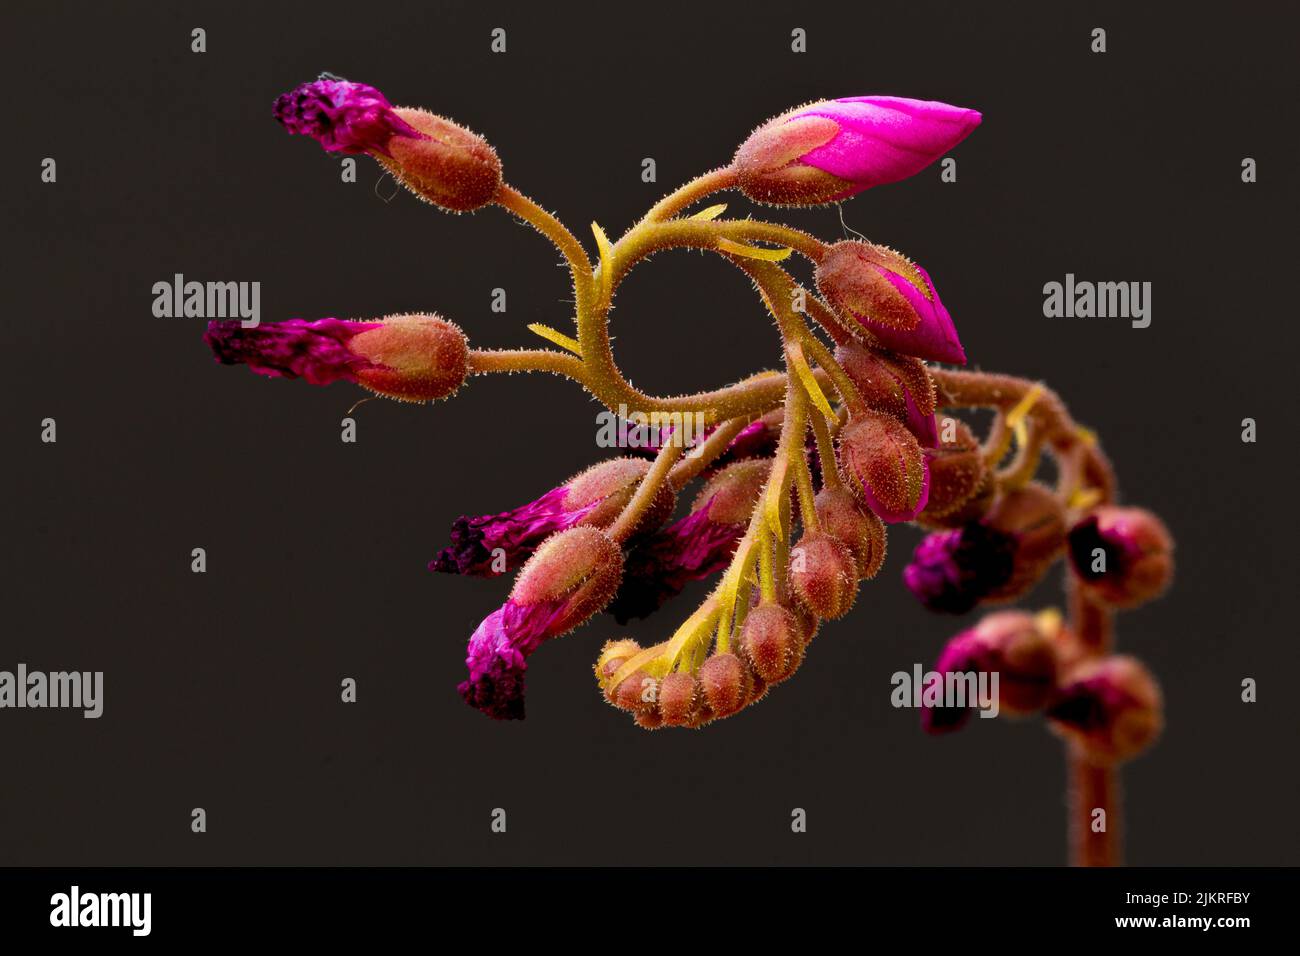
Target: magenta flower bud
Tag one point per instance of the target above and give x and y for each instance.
(1009, 644)
(411, 358)
(660, 565)
(882, 461)
(897, 384)
(833, 149)
(1122, 556)
(952, 571)
(570, 578)
(890, 298)
(490, 545)
(342, 116)
(1110, 708)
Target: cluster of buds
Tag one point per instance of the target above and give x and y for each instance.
(800, 472)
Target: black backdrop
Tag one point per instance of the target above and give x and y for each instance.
(222, 689)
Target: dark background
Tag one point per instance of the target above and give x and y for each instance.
(222, 689)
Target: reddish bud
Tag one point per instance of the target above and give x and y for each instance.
(610, 485)
(1111, 708)
(840, 516)
(896, 384)
(1122, 556)
(1036, 519)
(958, 475)
(771, 642)
(581, 566)
(635, 693)
(447, 165)
(823, 575)
(734, 491)
(680, 699)
(882, 461)
(727, 684)
(414, 358)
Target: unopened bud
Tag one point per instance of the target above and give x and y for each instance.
(607, 487)
(891, 298)
(413, 358)
(897, 384)
(680, 699)
(958, 474)
(580, 567)
(726, 684)
(840, 516)
(1036, 519)
(832, 149)
(734, 491)
(883, 462)
(1122, 556)
(772, 643)
(447, 164)
(1111, 708)
(824, 576)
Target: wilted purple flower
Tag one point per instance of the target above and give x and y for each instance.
(408, 357)
(342, 116)
(489, 545)
(570, 578)
(951, 571)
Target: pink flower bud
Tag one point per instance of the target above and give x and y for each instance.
(726, 683)
(1035, 518)
(1010, 644)
(882, 461)
(1111, 708)
(840, 516)
(832, 149)
(891, 298)
(897, 384)
(823, 576)
(680, 699)
(570, 578)
(412, 358)
(958, 476)
(1122, 556)
(771, 642)
(489, 545)
(447, 165)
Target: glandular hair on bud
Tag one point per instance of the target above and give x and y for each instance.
(449, 166)
(771, 642)
(734, 491)
(680, 699)
(957, 476)
(581, 565)
(726, 684)
(840, 516)
(613, 483)
(823, 575)
(415, 358)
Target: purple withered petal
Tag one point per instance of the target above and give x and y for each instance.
(474, 540)
(951, 571)
(498, 652)
(342, 116)
(317, 351)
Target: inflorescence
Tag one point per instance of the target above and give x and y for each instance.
(800, 470)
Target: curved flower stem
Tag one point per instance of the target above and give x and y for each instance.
(483, 361)
(526, 209)
(647, 490)
(704, 454)
(826, 452)
(696, 189)
(1091, 786)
